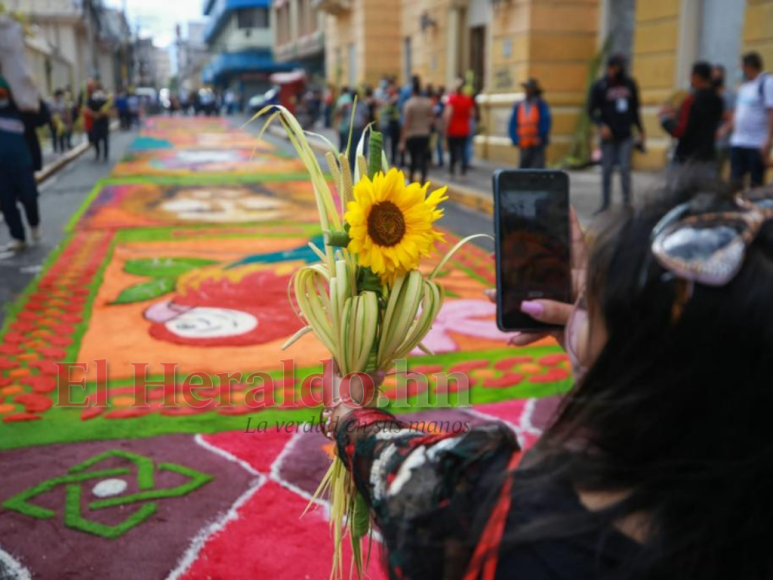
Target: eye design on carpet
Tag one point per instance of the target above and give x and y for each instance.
(211, 323)
(215, 306)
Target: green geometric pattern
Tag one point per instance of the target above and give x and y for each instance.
(77, 475)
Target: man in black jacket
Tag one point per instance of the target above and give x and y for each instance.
(699, 117)
(613, 105)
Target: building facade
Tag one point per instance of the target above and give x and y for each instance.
(240, 36)
(162, 64)
(362, 40)
(501, 43)
(299, 32)
(192, 55)
(72, 41)
(114, 58)
(144, 65)
(62, 48)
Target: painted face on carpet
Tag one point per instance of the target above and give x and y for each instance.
(124, 205)
(228, 205)
(181, 162)
(214, 306)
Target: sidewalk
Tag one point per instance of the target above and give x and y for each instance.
(475, 190)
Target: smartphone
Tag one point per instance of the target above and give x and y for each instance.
(533, 243)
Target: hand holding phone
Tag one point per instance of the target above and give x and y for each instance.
(533, 244)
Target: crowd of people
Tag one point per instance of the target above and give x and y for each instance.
(422, 125)
(712, 125)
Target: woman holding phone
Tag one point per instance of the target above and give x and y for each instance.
(658, 463)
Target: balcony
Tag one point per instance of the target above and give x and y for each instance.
(219, 12)
(309, 45)
(226, 65)
(334, 7)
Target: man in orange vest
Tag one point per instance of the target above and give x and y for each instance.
(530, 126)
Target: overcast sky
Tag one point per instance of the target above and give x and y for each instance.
(158, 18)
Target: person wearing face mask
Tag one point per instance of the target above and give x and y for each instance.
(752, 124)
(613, 105)
(656, 463)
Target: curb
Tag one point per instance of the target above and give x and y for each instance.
(472, 199)
(60, 163)
(468, 197)
(66, 159)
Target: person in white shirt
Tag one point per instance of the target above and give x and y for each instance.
(752, 124)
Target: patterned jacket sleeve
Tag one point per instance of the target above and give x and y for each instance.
(430, 493)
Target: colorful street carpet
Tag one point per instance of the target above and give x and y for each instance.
(177, 442)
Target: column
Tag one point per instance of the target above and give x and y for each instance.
(452, 46)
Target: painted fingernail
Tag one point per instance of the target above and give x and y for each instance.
(534, 309)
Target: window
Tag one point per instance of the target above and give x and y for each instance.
(301, 18)
(307, 17)
(407, 58)
(252, 18)
(284, 25)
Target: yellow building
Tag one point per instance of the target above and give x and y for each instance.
(362, 40)
(504, 42)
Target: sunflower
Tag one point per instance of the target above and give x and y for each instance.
(390, 223)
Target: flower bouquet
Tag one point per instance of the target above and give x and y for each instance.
(366, 299)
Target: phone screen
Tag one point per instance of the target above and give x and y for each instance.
(533, 243)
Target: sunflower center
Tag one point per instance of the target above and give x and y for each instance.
(386, 224)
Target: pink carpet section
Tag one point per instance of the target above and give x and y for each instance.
(269, 541)
(259, 450)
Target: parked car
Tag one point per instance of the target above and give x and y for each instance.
(270, 97)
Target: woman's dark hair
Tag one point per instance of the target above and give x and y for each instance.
(677, 411)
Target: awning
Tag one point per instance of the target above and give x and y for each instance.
(233, 63)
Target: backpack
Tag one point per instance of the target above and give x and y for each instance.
(761, 86)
